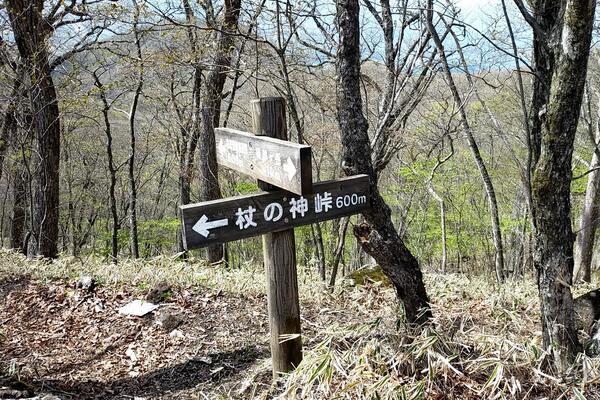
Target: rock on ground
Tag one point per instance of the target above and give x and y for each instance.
(160, 292)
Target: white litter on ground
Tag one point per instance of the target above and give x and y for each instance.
(138, 308)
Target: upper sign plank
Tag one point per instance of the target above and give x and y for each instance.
(225, 220)
(283, 164)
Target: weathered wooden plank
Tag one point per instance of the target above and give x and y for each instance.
(279, 251)
(283, 164)
(234, 218)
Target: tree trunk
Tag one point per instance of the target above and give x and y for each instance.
(524, 111)
(211, 112)
(189, 138)
(562, 37)
(377, 236)
(188, 148)
(588, 222)
(517, 234)
(483, 171)
(317, 235)
(69, 235)
(442, 204)
(19, 209)
(9, 122)
(31, 32)
(339, 250)
(133, 226)
(112, 198)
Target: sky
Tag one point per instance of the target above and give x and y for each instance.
(474, 5)
(473, 9)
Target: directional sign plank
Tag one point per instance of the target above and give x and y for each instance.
(281, 163)
(225, 220)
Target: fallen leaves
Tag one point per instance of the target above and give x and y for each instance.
(77, 342)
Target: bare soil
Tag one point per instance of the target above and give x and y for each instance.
(75, 344)
(57, 339)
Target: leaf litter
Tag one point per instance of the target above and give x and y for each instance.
(72, 343)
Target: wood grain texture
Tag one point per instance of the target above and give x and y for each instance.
(355, 187)
(279, 250)
(283, 164)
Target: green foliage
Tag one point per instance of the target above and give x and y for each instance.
(155, 237)
(246, 187)
(578, 186)
(457, 181)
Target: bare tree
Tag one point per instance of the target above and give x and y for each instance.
(9, 118)
(211, 111)
(588, 221)
(31, 30)
(377, 236)
(33, 24)
(139, 61)
(483, 171)
(112, 169)
(562, 32)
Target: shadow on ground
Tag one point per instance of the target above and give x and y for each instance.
(11, 284)
(167, 381)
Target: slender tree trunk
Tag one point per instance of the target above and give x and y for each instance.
(339, 250)
(31, 34)
(112, 199)
(133, 225)
(377, 236)
(211, 112)
(524, 111)
(517, 234)
(483, 171)
(19, 212)
(588, 222)
(71, 227)
(157, 212)
(317, 235)
(190, 138)
(442, 205)
(587, 229)
(188, 149)
(9, 122)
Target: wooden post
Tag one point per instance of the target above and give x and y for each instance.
(279, 249)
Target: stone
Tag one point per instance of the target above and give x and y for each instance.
(86, 283)
(168, 321)
(159, 293)
(176, 334)
(368, 274)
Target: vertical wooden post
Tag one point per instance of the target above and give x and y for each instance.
(279, 249)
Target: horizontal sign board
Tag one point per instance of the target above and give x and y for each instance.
(281, 163)
(235, 218)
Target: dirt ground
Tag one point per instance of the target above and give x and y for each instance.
(58, 339)
(74, 344)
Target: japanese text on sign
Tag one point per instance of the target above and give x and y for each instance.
(223, 220)
(296, 207)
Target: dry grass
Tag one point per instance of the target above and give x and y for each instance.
(484, 343)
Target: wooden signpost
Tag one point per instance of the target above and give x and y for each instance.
(289, 200)
(283, 164)
(234, 218)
